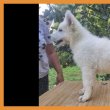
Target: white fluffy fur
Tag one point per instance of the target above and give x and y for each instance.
(91, 53)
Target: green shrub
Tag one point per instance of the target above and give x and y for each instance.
(103, 77)
(65, 59)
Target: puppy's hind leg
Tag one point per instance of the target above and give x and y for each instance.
(88, 81)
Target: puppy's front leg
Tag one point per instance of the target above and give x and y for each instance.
(81, 92)
(87, 94)
(88, 80)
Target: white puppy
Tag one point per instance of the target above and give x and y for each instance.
(91, 53)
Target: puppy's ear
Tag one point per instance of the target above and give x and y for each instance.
(69, 17)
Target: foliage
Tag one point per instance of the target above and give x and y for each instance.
(65, 57)
(95, 17)
(103, 77)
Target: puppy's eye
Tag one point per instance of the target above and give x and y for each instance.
(60, 30)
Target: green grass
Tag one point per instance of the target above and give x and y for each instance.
(70, 74)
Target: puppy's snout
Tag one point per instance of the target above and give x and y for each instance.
(52, 38)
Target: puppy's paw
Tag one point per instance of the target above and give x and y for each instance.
(83, 99)
(81, 92)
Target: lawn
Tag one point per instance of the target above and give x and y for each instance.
(70, 74)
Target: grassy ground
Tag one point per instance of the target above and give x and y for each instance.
(70, 73)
